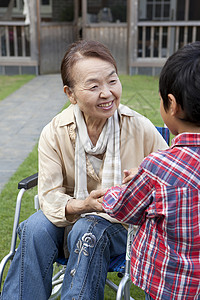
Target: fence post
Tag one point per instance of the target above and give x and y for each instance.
(132, 33)
(33, 30)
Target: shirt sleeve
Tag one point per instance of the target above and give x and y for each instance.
(128, 204)
(52, 193)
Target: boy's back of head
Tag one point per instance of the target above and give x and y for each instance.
(180, 77)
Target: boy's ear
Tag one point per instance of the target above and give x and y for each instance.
(70, 94)
(173, 105)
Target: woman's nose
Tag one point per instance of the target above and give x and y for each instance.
(105, 92)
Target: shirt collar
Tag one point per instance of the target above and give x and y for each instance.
(186, 139)
(67, 116)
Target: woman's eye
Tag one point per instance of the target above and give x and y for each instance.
(93, 87)
(113, 81)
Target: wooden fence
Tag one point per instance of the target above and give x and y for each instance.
(54, 40)
(158, 40)
(151, 44)
(15, 39)
(163, 39)
(114, 36)
(15, 48)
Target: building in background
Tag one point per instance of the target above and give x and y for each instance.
(34, 34)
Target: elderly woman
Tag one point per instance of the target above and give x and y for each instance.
(84, 148)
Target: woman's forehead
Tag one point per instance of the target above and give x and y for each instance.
(91, 62)
(87, 69)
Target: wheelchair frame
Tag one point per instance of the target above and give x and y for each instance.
(122, 290)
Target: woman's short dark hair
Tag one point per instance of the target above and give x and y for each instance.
(180, 77)
(79, 50)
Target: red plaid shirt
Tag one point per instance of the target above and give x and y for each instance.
(164, 200)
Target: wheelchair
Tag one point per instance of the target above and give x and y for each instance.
(119, 264)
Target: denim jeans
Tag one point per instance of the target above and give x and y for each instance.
(91, 243)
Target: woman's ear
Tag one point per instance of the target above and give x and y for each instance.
(70, 94)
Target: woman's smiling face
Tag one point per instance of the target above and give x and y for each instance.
(97, 89)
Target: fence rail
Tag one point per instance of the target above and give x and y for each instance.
(14, 40)
(161, 39)
(153, 42)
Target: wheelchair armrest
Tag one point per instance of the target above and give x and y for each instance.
(28, 182)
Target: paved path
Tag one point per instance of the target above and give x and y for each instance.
(22, 117)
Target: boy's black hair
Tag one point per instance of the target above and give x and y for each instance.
(180, 77)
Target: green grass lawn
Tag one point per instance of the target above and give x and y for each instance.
(9, 84)
(141, 94)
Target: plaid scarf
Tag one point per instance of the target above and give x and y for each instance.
(109, 141)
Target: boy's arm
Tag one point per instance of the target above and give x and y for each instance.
(128, 204)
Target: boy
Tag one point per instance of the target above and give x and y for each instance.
(163, 198)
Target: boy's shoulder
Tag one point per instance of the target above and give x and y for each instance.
(157, 159)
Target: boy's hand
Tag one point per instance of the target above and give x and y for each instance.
(129, 174)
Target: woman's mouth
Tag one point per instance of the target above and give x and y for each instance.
(106, 105)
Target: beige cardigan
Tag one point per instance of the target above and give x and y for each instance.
(138, 137)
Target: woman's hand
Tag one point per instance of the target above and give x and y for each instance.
(93, 203)
(129, 174)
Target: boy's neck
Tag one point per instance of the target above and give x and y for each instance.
(187, 127)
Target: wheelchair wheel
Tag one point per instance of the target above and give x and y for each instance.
(57, 280)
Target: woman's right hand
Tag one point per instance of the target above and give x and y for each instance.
(93, 203)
